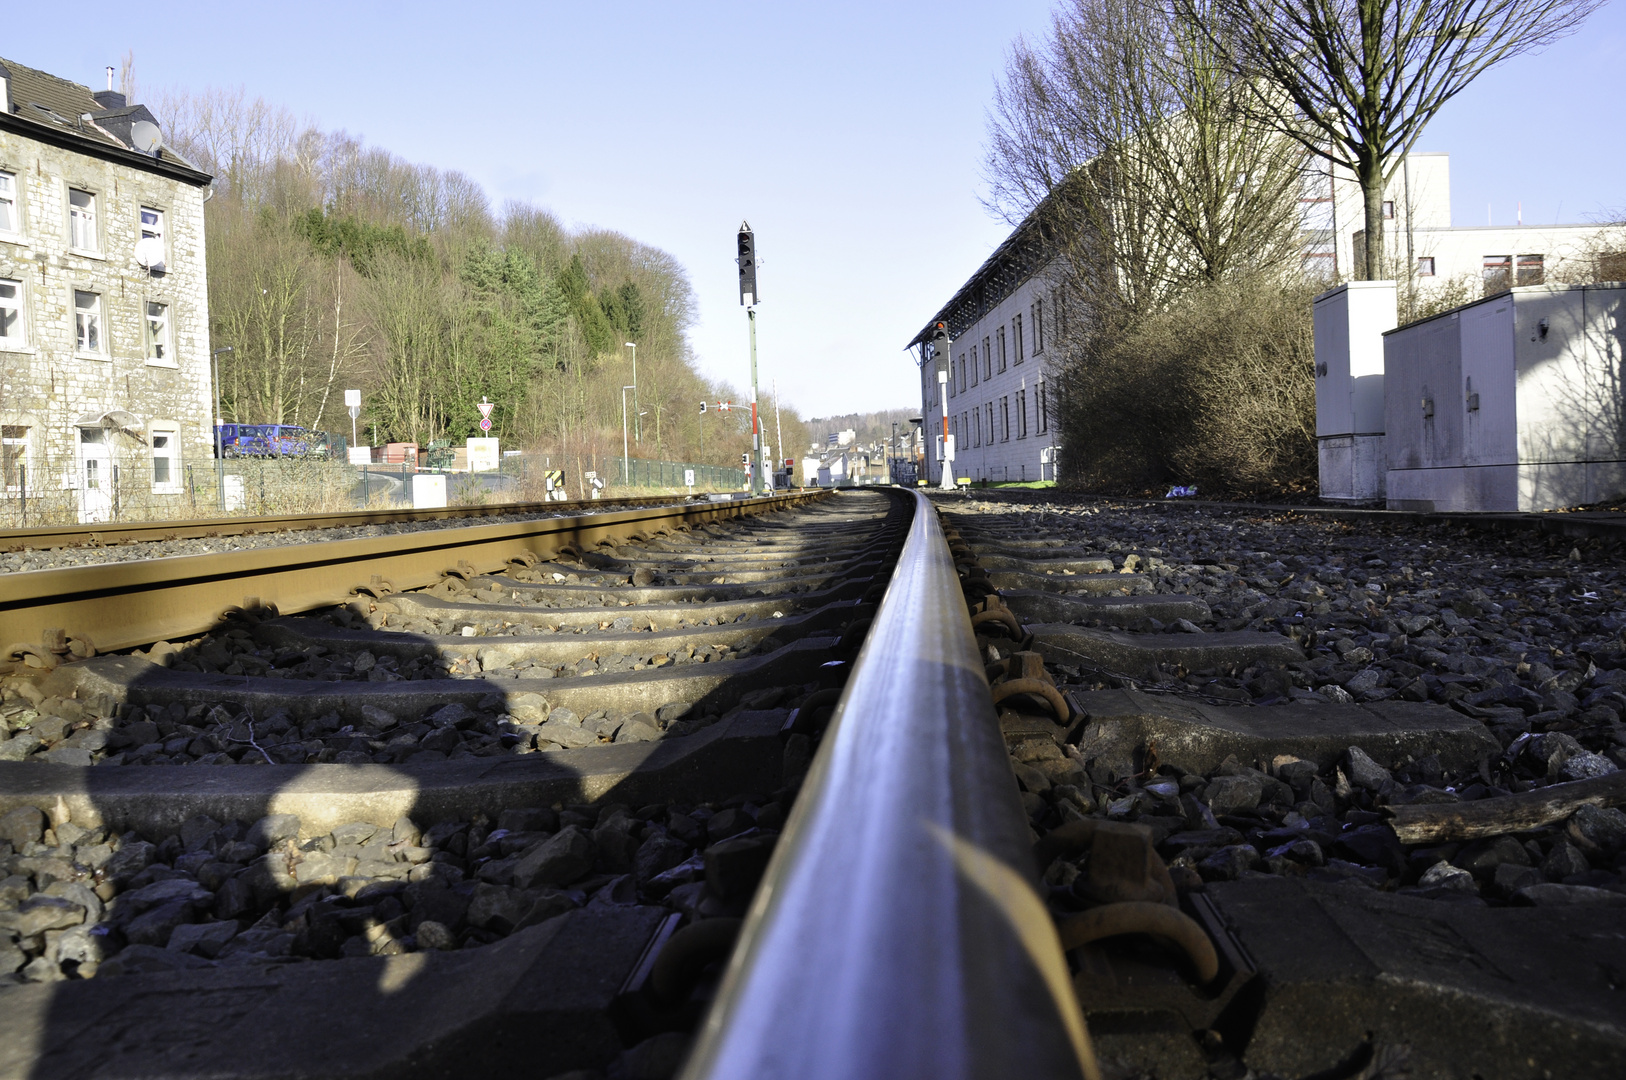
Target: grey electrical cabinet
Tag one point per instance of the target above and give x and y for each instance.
(1511, 403)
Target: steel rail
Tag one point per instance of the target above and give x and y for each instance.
(898, 931)
(109, 533)
(120, 605)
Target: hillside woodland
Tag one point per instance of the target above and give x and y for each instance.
(335, 265)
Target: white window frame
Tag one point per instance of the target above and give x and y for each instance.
(25, 441)
(84, 222)
(8, 179)
(150, 339)
(165, 429)
(19, 342)
(146, 230)
(157, 231)
(102, 351)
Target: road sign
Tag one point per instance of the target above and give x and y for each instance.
(485, 423)
(352, 398)
(725, 406)
(688, 478)
(485, 408)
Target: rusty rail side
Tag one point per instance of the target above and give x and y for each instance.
(110, 533)
(121, 605)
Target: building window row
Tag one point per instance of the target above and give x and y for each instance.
(95, 464)
(968, 425)
(89, 325)
(85, 224)
(1502, 271)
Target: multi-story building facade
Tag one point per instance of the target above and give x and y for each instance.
(1423, 250)
(105, 392)
(1002, 325)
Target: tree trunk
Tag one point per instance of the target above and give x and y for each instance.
(1371, 178)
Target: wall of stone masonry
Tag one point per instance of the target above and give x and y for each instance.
(45, 385)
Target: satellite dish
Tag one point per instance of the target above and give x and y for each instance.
(144, 136)
(149, 253)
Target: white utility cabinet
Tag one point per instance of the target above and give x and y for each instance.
(1349, 414)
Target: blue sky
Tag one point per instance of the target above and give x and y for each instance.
(849, 134)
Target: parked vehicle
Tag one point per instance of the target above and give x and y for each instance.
(278, 440)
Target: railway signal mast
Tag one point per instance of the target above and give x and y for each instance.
(940, 353)
(747, 260)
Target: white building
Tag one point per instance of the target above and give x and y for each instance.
(1418, 234)
(1000, 368)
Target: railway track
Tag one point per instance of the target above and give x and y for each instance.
(1034, 790)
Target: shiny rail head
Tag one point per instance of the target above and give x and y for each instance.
(898, 931)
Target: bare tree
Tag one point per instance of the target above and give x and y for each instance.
(1357, 81)
(1127, 133)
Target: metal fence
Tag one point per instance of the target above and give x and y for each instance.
(46, 491)
(644, 473)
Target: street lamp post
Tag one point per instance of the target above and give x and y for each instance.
(626, 455)
(637, 425)
(220, 456)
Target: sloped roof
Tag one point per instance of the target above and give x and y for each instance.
(55, 110)
(1013, 262)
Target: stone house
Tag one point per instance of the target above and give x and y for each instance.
(105, 391)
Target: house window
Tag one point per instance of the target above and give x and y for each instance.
(1044, 409)
(1038, 327)
(1388, 209)
(1016, 325)
(1497, 271)
(166, 470)
(158, 351)
(1002, 348)
(87, 322)
(1530, 269)
(13, 455)
(1021, 414)
(1425, 266)
(1060, 309)
(11, 315)
(82, 221)
(149, 250)
(9, 223)
(990, 408)
(1005, 419)
(987, 358)
(962, 373)
(973, 365)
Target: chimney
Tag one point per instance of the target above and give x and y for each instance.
(109, 98)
